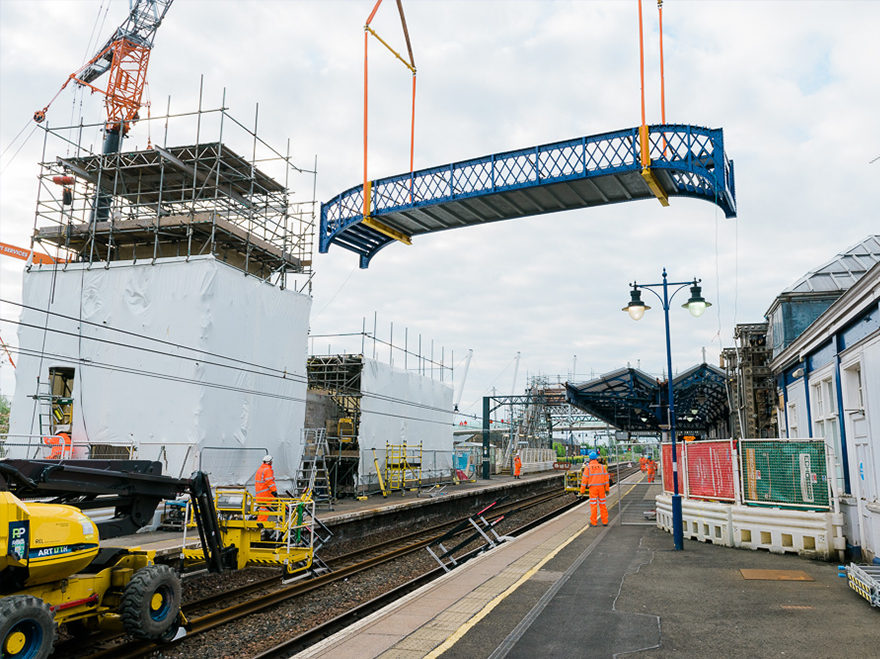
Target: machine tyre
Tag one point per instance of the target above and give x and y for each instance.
(27, 628)
(151, 602)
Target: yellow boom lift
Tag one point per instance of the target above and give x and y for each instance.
(54, 572)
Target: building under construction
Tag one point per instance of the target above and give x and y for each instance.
(379, 417)
(750, 384)
(143, 338)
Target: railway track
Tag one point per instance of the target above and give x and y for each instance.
(320, 632)
(343, 567)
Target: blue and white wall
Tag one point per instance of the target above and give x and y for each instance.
(829, 386)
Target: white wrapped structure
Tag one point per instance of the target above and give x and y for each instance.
(399, 407)
(186, 361)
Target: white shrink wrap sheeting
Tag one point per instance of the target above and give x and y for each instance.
(227, 384)
(401, 406)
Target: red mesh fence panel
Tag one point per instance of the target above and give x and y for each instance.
(667, 467)
(710, 470)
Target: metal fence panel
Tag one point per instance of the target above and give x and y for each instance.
(666, 466)
(785, 472)
(709, 470)
(636, 494)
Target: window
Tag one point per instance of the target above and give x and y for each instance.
(824, 410)
(854, 395)
(792, 420)
(825, 422)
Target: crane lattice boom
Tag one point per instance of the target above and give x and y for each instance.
(126, 56)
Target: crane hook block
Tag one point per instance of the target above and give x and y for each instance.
(40, 115)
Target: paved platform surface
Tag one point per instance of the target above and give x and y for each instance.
(376, 503)
(567, 590)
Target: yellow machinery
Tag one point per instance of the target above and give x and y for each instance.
(53, 571)
(278, 531)
(345, 430)
(403, 466)
(573, 478)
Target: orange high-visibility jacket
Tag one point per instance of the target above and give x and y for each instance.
(595, 475)
(642, 461)
(652, 466)
(60, 445)
(265, 482)
(517, 466)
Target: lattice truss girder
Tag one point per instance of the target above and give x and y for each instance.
(588, 171)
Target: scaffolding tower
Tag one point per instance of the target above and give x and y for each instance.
(339, 378)
(178, 201)
(750, 383)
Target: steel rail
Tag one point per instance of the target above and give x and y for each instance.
(220, 617)
(308, 638)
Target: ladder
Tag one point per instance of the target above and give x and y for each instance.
(312, 475)
(403, 466)
(45, 408)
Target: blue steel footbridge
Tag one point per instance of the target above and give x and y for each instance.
(684, 161)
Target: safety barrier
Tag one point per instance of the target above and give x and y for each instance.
(785, 473)
(666, 465)
(811, 534)
(771, 494)
(808, 533)
(705, 521)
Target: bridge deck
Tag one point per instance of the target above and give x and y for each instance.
(687, 161)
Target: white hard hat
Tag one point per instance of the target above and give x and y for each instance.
(267, 458)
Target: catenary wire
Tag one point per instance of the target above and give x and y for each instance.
(279, 376)
(264, 370)
(203, 383)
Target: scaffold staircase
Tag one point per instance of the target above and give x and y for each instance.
(403, 466)
(312, 475)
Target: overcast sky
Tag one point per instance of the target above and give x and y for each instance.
(794, 85)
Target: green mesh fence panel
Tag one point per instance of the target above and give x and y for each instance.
(785, 472)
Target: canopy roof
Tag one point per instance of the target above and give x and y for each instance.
(635, 401)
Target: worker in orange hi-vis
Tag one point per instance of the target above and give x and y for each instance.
(60, 443)
(517, 466)
(642, 462)
(598, 481)
(265, 487)
(651, 468)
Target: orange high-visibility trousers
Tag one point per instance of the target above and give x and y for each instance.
(597, 500)
(651, 471)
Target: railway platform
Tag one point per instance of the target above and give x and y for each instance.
(350, 517)
(565, 589)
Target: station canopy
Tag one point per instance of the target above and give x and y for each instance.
(632, 400)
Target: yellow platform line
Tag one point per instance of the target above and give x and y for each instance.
(487, 609)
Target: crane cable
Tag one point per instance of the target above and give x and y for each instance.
(411, 65)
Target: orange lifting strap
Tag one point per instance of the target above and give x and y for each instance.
(411, 65)
(644, 142)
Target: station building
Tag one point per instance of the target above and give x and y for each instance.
(824, 334)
